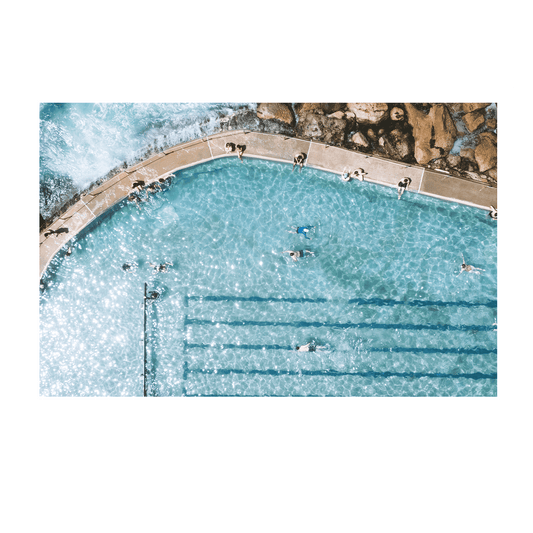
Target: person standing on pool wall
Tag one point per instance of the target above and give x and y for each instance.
(298, 160)
(298, 253)
(304, 230)
(402, 186)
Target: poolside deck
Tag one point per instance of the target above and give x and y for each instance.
(264, 146)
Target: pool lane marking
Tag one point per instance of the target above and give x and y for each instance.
(209, 144)
(421, 178)
(452, 351)
(346, 325)
(332, 373)
(358, 301)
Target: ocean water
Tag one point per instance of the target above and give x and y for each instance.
(381, 294)
(81, 143)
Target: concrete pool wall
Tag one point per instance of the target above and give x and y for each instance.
(263, 146)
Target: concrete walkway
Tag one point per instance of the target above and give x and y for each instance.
(264, 146)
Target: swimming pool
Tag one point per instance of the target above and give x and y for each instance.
(381, 293)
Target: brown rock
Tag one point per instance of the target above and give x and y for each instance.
(397, 114)
(453, 160)
(332, 108)
(434, 133)
(369, 113)
(302, 109)
(281, 112)
(485, 151)
(321, 128)
(474, 119)
(468, 154)
(398, 144)
(491, 123)
(468, 108)
(493, 173)
(337, 114)
(360, 140)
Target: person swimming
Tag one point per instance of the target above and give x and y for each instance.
(163, 267)
(303, 230)
(152, 296)
(469, 268)
(298, 253)
(402, 186)
(129, 267)
(309, 347)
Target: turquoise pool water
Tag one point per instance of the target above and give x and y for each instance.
(381, 293)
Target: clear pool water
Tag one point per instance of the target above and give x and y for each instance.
(381, 293)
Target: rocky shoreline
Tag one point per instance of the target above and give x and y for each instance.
(457, 138)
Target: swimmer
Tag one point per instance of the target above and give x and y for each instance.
(153, 186)
(298, 253)
(56, 231)
(469, 268)
(298, 160)
(493, 213)
(129, 267)
(69, 251)
(230, 147)
(240, 151)
(304, 230)
(402, 186)
(309, 347)
(163, 267)
(135, 199)
(152, 295)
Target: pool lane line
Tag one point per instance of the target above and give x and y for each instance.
(336, 325)
(332, 373)
(359, 301)
(400, 349)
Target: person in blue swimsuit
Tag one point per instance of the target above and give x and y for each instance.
(304, 230)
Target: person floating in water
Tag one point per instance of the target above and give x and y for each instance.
(152, 296)
(304, 230)
(230, 147)
(69, 251)
(469, 268)
(133, 197)
(358, 173)
(163, 267)
(240, 151)
(129, 267)
(56, 231)
(493, 213)
(298, 253)
(402, 186)
(153, 186)
(298, 160)
(309, 347)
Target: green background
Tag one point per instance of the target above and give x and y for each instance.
(261, 474)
